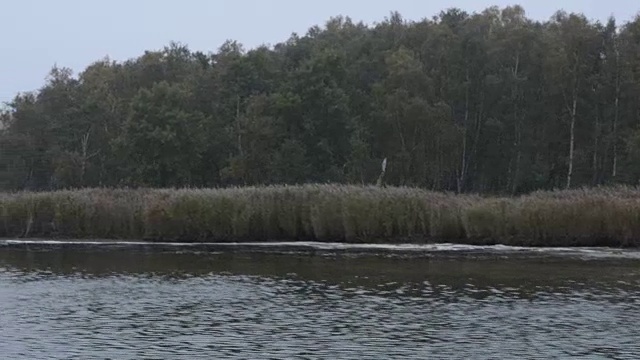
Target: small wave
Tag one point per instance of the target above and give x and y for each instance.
(581, 252)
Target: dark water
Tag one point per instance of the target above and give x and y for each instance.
(137, 302)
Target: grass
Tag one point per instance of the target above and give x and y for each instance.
(585, 217)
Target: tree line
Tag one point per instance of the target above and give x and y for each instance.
(488, 102)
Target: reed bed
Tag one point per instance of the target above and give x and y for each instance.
(584, 217)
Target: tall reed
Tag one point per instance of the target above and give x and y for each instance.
(585, 217)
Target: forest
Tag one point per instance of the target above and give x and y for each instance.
(490, 102)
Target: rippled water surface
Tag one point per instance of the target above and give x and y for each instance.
(68, 302)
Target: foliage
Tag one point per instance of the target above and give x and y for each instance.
(489, 102)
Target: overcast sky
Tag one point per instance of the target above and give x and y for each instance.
(73, 33)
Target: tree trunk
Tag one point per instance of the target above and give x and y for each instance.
(438, 175)
(516, 172)
(476, 140)
(463, 166)
(380, 182)
(594, 160)
(572, 127)
(616, 112)
(85, 156)
(572, 137)
(238, 127)
(84, 159)
(614, 171)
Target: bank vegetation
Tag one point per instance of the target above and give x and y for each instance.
(581, 217)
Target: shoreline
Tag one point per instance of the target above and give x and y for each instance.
(329, 248)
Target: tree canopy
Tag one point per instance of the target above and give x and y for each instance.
(489, 102)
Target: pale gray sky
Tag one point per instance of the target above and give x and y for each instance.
(73, 33)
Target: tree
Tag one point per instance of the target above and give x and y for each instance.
(163, 138)
(486, 102)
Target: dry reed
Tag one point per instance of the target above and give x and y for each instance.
(585, 217)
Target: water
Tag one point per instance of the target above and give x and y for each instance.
(120, 301)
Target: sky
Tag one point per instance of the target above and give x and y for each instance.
(38, 34)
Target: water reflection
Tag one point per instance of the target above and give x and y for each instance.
(122, 304)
